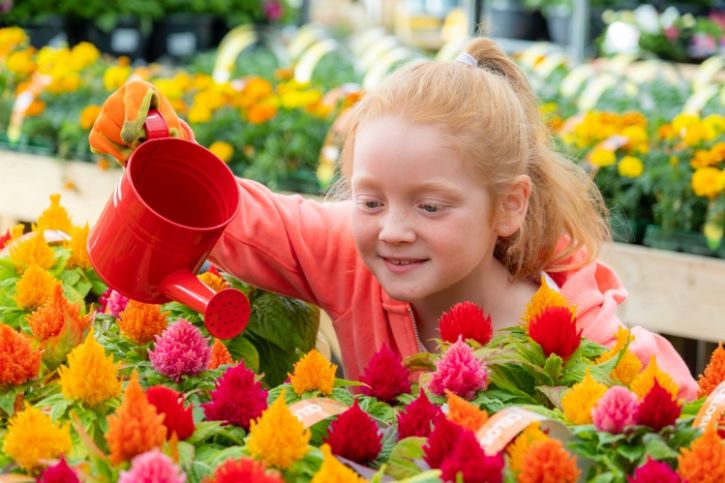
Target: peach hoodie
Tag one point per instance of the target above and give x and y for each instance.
(304, 249)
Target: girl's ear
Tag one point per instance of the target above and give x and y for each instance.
(512, 207)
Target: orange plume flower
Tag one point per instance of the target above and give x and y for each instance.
(519, 448)
(714, 373)
(34, 288)
(19, 362)
(704, 461)
(141, 322)
(465, 414)
(548, 461)
(57, 312)
(214, 281)
(219, 355)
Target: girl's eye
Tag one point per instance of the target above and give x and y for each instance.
(429, 208)
(371, 205)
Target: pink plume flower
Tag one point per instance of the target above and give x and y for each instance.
(115, 303)
(386, 376)
(616, 410)
(152, 467)
(180, 350)
(466, 320)
(59, 473)
(237, 399)
(459, 371)
(416, 418)
(654, 472)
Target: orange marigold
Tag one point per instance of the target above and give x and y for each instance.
(219, 355)
(49, 320)
(548, 462)
(465, 414)
(214, 281)
(714, 373)
(34, 288)
(642, 384)
(519, 448)
(704, 461)
(78, 246)
(313, 372)
(19, 362)
(32, 251)
(135, 427)
(55, 217)
(544, 297)
(140, 322)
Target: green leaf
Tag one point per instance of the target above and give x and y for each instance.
(241, 348)
(402, 462)
(657, 448)
(7, 269)
(186, 454)
(204, 430)
(553, 366)
(288, 323)
(70, 277)
(7, 400)
(631, 453)
(607, 477)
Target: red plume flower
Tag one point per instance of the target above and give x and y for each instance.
(469, 459)
(416, 418)
(658, 408)
(237, 399)
(386, 375)
(467, 320)
(654, 472)
(170, 403)
(441, 441)
(354, 435)
(554, 329)
(244, 470)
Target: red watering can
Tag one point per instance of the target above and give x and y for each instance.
(168, 210)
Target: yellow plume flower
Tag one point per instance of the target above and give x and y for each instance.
(78, 246)
(313, 372)
(277, 437)
(34, 288)
(214, 281)
(90, 375)
(544, 297)
(578, 401)
(332, 471)
(32, 437)
(629, 365)
(520, 446)
(55, 217)
(140, 322)
(465, 414)
(642, 384)
(32, 251)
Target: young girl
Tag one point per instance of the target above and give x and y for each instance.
(457, 196)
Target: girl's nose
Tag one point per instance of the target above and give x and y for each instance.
(396, 227)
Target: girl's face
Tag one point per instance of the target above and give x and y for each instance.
(421, 219)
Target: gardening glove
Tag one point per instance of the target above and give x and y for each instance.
(119, 128)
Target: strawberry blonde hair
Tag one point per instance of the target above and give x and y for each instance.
(491, 117)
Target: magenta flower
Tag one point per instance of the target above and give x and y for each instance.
(273, 10)
(59, 473)
(152, 467)
(114, 303)
(386, 376)
(459, 371)
(468, 459)
(416, 418)
(441, 441)
(237, 399)
(180, 350)
(354, 435)
(654, 472)
(616, 410)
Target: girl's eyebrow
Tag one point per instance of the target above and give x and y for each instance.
(428, 186)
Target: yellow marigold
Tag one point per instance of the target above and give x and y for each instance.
(214, 281)
(49, 320)
(34, 288)
(630, 167)
(90, 375)
(642, 384)
(601, 157)
(11, 38)
(714, 373)
(32, 251)
(55, 217)
(21, 63)
(704, 461)
(115, 76)
(199, 114)
(32, 437)
(313, 372)
(578, 401)
(19, 361)
(295, 99)
(704, 158)
(223, 150)
(82, 55)
(219, 355)
(637, 139)
(629, 365)
(548, 462)
(332, 471)
(716, 122)
(544, 297)
(464, 413)
(277, 437)
(259, 113)
(135, 427)
(89, 115)
(708, 182)
(78, 245)
(140, 322)
(520, 446)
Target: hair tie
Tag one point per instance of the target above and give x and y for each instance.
(467, 58)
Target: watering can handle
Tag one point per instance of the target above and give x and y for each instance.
(155, 125)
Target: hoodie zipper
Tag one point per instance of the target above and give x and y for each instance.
(421, 347)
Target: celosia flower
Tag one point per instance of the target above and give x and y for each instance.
(181, 350)
(32, 437)
(244, 470)
(704, 461)
(332, 471)
(629, 366)
(32, 251)
(416, 418)
(5, 238)
(55, 217)
(469, 459)
(135, 427)
(59, 473)
(55, 314)
(441, 441)
(78, 246)
(544, 297)
(464, 413)
(34, 288)
(115, 303)
(219, 355)
(19, 361)
(658, 408)
(519, 448)
(354, 435)
(616, 410)
(277, 437)
(459, 371)
(141, 322)
(313, 373)
(654, 472)
(714, 373)
(152, 467)
(213, 280)
(237, 398)
(468, 321)
(578, 401)
(554, 329)
(90, 375)
(385, 376)
(548, 461)
(170, 403)
(642, 384)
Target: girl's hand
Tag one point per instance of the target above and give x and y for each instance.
(119, 128)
